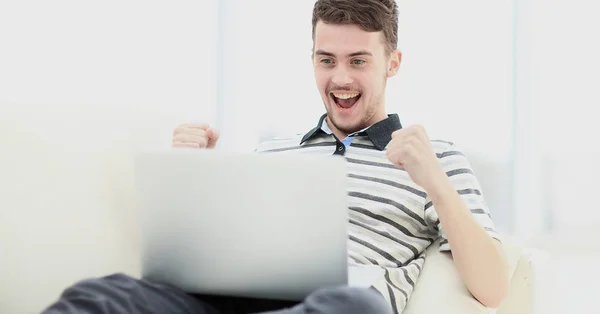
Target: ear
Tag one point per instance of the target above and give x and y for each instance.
(394, 63)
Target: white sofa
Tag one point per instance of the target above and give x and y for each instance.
(67, 212)
(440, 290)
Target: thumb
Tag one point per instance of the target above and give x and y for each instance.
(213, 136)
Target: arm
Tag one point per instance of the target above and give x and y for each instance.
(478, 257)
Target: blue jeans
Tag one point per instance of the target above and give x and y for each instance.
(120, 293)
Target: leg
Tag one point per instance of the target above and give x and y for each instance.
(119, 294)
(341, 300)
(244, 305)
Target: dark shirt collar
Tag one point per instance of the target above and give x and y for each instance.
(379, 133)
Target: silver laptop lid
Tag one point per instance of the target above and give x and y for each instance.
(269, 226)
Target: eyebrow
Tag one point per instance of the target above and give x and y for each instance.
(354, 54)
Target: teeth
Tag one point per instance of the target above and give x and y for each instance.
(345, 96)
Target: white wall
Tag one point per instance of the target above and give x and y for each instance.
(82, 85)
(565, 67)
(269, 86)
(510, 82)
(130, 56)
(556, 173)
(457, 70)
(456, 78)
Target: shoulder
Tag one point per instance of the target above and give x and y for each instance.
(279, 143)
(441, 146)
(453, 159)
(446, 150)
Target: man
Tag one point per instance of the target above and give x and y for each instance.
(406, 191)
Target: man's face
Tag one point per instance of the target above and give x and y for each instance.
(351, 71)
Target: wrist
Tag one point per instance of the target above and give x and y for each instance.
(441, 189)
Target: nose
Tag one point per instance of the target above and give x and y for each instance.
(341, 77)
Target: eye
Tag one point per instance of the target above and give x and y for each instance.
(326, 61)
(358, 62)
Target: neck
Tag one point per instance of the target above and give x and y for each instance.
(342, 135)
(339, 134)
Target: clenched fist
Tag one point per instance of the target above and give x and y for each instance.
(195, 136)
(410, 148)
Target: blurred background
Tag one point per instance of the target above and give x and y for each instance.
(514, 83)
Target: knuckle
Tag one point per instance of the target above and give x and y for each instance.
(416, 129)
(198, 132)
(202, 142)
(181, 138)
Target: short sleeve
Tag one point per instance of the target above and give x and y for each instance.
(463, 178)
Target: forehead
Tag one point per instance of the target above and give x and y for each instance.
(346, 39)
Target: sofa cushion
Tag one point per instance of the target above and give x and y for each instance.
(440, 289)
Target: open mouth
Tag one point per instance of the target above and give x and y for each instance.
(345, 100)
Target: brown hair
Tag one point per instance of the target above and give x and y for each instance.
(369, 15)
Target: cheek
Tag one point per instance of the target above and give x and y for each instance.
(367, 82)
(321, 81)
(376, 82)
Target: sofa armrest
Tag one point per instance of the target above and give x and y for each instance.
(523, 295)
(440, 289)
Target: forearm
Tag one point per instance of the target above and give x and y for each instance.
(479, 258)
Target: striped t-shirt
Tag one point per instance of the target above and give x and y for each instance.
(392, 220)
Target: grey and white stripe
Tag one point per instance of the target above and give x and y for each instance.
(391, 219)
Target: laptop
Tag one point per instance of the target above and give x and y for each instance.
(268, 226)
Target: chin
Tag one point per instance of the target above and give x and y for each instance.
(344, 123)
